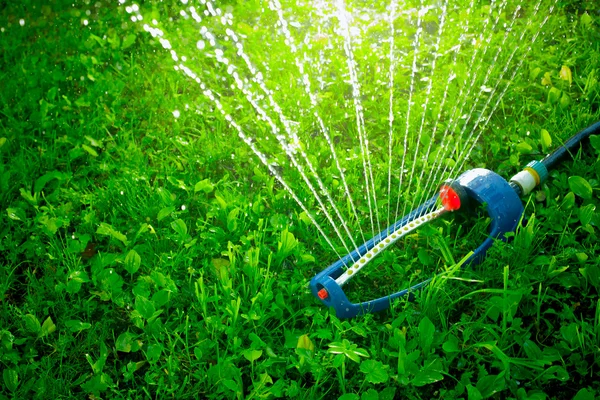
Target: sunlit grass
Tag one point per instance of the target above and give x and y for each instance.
(149, 255)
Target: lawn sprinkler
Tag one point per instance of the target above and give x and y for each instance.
(474, 187)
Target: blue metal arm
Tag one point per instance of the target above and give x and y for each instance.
(337, 299)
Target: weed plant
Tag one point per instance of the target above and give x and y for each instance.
(144, 255)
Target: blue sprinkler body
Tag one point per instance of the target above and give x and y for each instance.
(485, 187)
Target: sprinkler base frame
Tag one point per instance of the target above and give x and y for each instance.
(483, 186)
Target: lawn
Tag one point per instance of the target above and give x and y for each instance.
(170, 184)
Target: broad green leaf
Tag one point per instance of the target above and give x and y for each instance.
(128, 41)
(425, 377)
(132, 261)
(429, 373)
(2, 141)
(586, 20)
(546, 79)
(164, 212)
(389, 393)
(93, 141)
(370, 394)
(232, 217)
(426, 332)
(568, 201)
(524, 148)
(287, 243)
(304, 342)
(221, 267)
(77, 326)
(98, 383)
(180, 227)
(47, 327)
(16, 214)
(108, 230)
(586, 213)
(532, 350)
(32, 324)
(50, 225)
(554, 95)
(545, 139)
(41, 182)
(565, 100)
(565, 74)
(79, 276)
(11, 379)
(160, 298)
(73, 286)
(580, 187)
(595, 142)
(154, 351)
(585, 394)
(198, 353)
(451, 344)
(490, 384)
(144, 307)
(252, 355)
(89, 150)
(473, 393)
(204, 186)
(125, 342)
(374, 371)
(305, 218)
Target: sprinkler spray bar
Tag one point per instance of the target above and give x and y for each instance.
(476, 186)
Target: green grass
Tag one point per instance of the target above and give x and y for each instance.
(147, 256)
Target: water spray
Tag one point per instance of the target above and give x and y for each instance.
(473, 188)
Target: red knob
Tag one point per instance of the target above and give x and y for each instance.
(450, 199)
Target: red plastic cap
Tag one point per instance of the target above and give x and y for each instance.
(323, 294)
(450, 199)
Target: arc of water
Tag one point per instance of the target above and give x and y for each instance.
(356, 93)
(511, 79)
(416, 45)
(425, 192)
(155, 32)
(257, 78)
(425, 105)
(469, 83)
(289, 150)
(275, 6)
(492, 65)
(391, 112)
(460, 159)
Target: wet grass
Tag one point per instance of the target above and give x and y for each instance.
(148, 256)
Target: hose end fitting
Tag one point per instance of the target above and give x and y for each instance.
(539, 169)
(532, 175)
